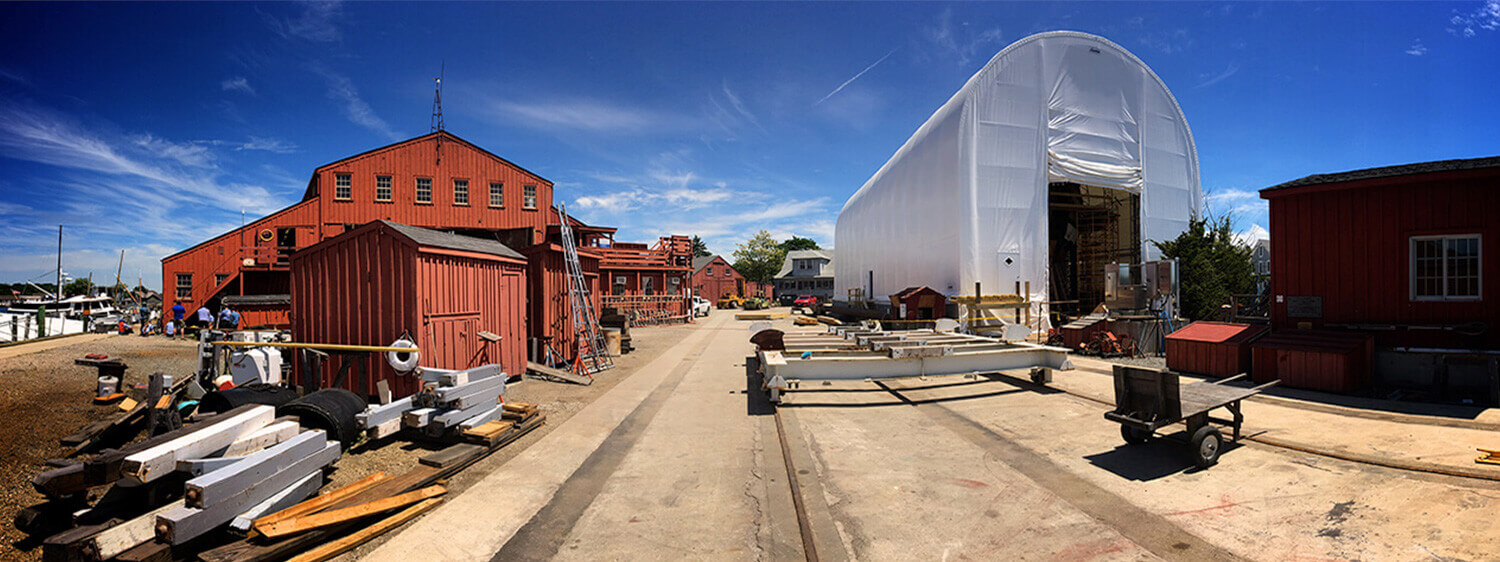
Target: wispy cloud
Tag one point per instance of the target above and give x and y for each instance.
(342, 90)
(956, 42)
(1484, 18)
(269, 145)
(855, 77)
(582, 115)
(10, 76)
(1168, 41)
(315, 23)
(1220, 77)
(1416, 49)
(237, 84)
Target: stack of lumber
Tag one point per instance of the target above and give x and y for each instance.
(517, 419)
(455, 402)
(188, 482)
(805, 321)
(760, 315)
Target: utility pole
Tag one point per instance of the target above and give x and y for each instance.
(57, 293)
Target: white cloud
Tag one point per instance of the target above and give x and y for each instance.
(315, 23)
(1416, 49)
(957, 42)
(1220, 77)
(582, 115)
(237, 84)
(1232, 195)
(342, 90)
(1468, 24)
(1168, 42)
(269, 145)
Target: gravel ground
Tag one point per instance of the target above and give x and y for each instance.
(46, 397)
(1144, 361)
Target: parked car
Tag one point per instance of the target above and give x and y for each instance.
(701, 306)
(805, 301)
(786, 299)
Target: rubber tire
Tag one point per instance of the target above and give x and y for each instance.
(258, 393)
(330, 409)
(1134, 436)
(1205, 455)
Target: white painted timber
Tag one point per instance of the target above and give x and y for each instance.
(199, 467)
(215, 486)
(481, 419)
(419, 417)
(264, 437)
(183, 523)
(161, 460)
(288, 497)
(960, 361)
(377, 415)
(481, 398)
(389, 428)
(112, 541)
(469, 375)
(446, 394)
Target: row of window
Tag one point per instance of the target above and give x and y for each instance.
(343, 190)
(727, 271)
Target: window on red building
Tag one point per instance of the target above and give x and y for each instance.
(424, 190)
(184, 286)
(342, 187)
(382, 188)
(461, 192)
(1445, 268)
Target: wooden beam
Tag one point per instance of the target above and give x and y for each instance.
(446, 394)
(377, 415)
(199, 467)
(324, 500)
(282, 500)
(335, 548)
(485, 417)
(214, 487)
(112, 541)
(307, 523)
(419, 417)
(161, 460)
(451, 455)
(264, 437)
(186, 523)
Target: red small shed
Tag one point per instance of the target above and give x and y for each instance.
(1315, 359)
(371, 285)
(551, 312)
(918, 303)
(1219, 349)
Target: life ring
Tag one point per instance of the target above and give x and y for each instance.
(403, 361)
(266, 235)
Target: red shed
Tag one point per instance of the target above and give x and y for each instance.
(379, 281)
(919, 303)
(551, 313)
(1314, 359)
(1405, 254)
(1218, 349)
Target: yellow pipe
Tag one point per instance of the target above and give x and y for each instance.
(327, 346)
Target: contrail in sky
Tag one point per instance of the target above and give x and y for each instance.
(856, 76)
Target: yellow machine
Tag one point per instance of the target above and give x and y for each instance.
(731, 300)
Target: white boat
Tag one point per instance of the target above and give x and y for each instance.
(76, 307)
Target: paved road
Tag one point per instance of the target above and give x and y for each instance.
(679, 461)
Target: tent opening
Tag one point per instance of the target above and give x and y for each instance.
(1089, 227)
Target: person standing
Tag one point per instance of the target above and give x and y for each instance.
(205, 318)
(177, 313)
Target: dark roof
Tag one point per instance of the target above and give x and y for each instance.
(440, 239)
(1392, 171)
(242, 300)
(700, 263)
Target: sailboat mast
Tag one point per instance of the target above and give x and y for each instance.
(57, 294)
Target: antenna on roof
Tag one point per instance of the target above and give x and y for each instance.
(437, 101)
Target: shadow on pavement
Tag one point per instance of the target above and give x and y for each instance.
(757, 402)
(1158, 458)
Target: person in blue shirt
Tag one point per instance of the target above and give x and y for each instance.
(228, 319)
(177, 313)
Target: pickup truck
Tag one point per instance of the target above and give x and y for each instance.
(701, 306)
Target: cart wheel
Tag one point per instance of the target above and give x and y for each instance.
(1206, 443)
(1134, 436)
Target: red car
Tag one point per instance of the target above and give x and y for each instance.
(805, 301)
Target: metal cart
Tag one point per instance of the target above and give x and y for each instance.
(1147, 400)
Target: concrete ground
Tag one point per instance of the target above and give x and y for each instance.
(679, 460)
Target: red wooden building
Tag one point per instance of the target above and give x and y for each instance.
(713, 278)
(384, 280)
(1407, 255)
(435, 181)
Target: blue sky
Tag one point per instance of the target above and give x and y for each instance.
(151, 126)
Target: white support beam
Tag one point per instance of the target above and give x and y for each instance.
(264, 437)
(182, 523)
(288, 497)
(161, 460)
(221, 484)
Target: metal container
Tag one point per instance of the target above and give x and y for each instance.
(108, 386)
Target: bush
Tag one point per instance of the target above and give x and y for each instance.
(1212, 266)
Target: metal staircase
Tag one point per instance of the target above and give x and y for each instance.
(592, 356)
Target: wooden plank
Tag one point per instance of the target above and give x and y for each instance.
(466, 376)
(450, 455)
(158, 461)
(520, 407)
(419, 417)
(264, 437)
(186, 523)
(483, 418)
(485, 398)
(333, 517)
(125, 536)
(335, 548)
(559, 374)
(321, 502)
(489, 429)
(377, 415)
(216, 486)
(282, 500)
(450, 393)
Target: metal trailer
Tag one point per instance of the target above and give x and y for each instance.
(861, 353)
(1148, 400)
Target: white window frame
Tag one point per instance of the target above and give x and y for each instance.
(420, 192)
(528, 197)
(343, 187)
(184, 290)
(1411, 265)
(710, 271)
(497, 194)
(461, 192)
(383, 187)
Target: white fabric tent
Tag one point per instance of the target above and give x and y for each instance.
(965, 199)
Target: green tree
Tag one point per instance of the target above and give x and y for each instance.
(700, 248)
(795, 243)
(76, 287)
(1212, 266)
(759, 258)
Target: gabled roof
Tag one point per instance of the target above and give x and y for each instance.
(448, 240)
(1391, 171)
(786, 264)
(702, 262)
(312, 185)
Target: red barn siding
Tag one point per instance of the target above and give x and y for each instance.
(549, 310)
(372, 285)
(725, 280)
(1349, 243)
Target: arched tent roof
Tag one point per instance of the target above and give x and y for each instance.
(964, 200)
